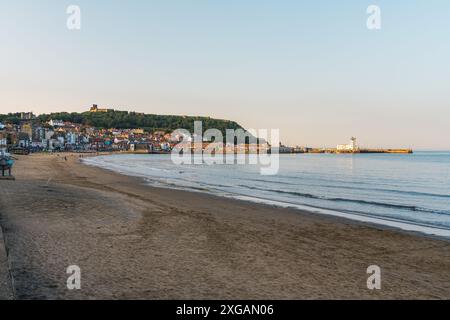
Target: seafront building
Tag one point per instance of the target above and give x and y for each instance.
(351, 147)
(3, 140)
(56, 123)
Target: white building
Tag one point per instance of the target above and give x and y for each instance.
(71, 138)
(49, 134)
(2, 126)
(56, 123)
(351, 147)
(3, 144)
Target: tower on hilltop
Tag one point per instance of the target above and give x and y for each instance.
(95, 109)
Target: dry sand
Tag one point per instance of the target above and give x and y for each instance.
(6, 292)
(133, 241)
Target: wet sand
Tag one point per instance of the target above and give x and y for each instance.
(133, 241)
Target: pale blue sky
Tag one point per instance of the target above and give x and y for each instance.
(311, 69)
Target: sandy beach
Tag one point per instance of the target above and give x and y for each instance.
(133, 241)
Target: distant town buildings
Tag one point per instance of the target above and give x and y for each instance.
(32, 135)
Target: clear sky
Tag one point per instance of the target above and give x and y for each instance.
(310, 68)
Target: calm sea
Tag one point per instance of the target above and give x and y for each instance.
(411, 192)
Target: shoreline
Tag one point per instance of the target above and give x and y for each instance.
(357, 217)
(134, 241)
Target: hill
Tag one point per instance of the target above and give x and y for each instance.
(130, 120)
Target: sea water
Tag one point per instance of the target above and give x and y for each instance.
(408, 191)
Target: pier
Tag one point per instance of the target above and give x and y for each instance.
(407, 151)
(335, 151)
(351, 148)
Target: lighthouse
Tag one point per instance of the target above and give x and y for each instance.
(348, 148)
(353, 144)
